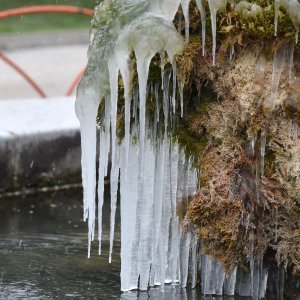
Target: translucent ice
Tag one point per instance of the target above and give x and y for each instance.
(203, 23)
(153, 175)
(214, 6)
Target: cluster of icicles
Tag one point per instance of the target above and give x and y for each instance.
(152, 172)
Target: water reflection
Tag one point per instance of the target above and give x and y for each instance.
(43, 255)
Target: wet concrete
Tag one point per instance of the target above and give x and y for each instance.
(39, 143)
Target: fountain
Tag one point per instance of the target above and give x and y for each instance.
(141, 152)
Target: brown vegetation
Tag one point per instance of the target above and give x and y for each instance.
(240, 205)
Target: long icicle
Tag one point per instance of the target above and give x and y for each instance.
(203, 23)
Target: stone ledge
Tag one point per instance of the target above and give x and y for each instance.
(39, 143)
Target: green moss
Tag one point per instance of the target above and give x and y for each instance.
(193, 144)
(270, 159)
(292, 109)
(240, 29)
(191, 132)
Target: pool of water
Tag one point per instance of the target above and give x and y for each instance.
(43, 253)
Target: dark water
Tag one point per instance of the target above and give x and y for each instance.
(43, 253)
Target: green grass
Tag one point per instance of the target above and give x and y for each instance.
(44, 22)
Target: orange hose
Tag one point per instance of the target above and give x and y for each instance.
(75, 82)
(45, 9)
(23, 74)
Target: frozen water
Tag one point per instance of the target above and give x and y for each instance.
(186, 14)
(214, 6)
(203, 23)
(292, 7)
(151, 172)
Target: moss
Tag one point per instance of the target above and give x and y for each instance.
(193, 144)
(292, 108)
(228, 118)
(243, 28)
(219, 229)
(191, 132)
(222, 116)
(270, 159)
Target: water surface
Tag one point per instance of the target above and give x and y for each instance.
(43, 253)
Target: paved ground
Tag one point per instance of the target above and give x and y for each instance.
(53, 69)
(11, 42)
(52, 60)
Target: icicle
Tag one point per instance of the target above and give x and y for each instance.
(113, 80)
(260, 67)
(103, 161)
(203, 23)
(114, 182)
(175, 223)
(263, 140)
(213, 16)
(174, 86)
(155, 277)
(162, 67)
(86, 112)
(181, 86)
(194, 265)
(166, 103)
(157, 102)
(143, 64)
(278, 64)
(231, 51)
(184, 257)
(291, 61)
(103, 165)
(126, 76)
(212, 276)
(230, 283)
(167, 210)
(252, 143)
(263, 281)
(214, 6)
(174, 257)
(259, 276)
(185, 9)
(146, 235)
(128, 191)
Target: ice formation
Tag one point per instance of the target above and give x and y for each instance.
(146, 165)
(214, 6)
(248, 9)
(292, 7)
(203, 23)
(154, 173)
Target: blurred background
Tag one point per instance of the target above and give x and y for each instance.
(43, 53)
(43, 239)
